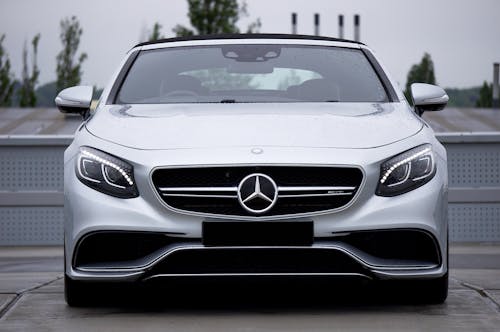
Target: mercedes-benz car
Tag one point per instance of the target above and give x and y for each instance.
(254, 155)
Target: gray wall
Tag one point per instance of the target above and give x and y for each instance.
(474, 181)
(31, 185)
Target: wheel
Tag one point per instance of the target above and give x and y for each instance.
(433, 291)
(436, 290)
(75, 292)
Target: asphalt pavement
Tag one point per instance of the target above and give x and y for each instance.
(32, 299)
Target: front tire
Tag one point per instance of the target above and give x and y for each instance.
(75, 292)
(435, 291)
(432, 291)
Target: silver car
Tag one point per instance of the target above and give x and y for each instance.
(254, 155)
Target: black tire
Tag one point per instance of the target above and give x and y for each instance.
(436, 290)
(75, 292)
(433, 291)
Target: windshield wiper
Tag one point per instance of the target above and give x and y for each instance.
(228, 101)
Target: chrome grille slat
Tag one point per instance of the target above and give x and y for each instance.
(234, 189)
(314, 195)
(202, 195)
(306, 188)
(201, 192)
(208, 192)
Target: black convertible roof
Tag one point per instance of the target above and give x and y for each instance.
(247, 36)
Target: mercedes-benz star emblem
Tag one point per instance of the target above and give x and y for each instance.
(257, 193)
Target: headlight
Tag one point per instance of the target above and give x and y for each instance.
(406, 171)
(105, 173)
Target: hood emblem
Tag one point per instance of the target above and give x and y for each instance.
(257, 193)
(257, 151)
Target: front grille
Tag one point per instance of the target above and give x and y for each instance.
(214, 190)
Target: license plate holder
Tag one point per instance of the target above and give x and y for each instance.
(257, 233)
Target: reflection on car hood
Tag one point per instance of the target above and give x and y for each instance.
(174, 126)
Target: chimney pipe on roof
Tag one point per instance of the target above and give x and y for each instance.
(496, 87)
(316, 24)
(356, 27)
(294, 23)
(341, 26)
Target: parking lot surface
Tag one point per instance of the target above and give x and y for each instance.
(32, 299)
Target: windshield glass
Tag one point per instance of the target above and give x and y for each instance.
(251, 73)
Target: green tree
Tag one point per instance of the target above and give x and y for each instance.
(68, 70)
(6, 79)
(485, 96)
(27, 95)
(215, 16)
(155, 33)
(45, 94)
(420, 73)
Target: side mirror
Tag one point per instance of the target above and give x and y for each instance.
(75, 100)
(427, 97)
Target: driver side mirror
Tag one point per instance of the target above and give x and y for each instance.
(427, 97)
(75, 100)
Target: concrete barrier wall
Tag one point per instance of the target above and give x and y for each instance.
(31, 188)
(474, 185)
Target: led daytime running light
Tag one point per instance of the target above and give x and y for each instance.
(402, 162)
(108, 163)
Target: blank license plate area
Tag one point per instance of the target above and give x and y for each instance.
(282, 233)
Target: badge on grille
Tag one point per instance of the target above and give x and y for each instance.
(257, 193)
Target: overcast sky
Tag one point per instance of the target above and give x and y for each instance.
(462, 36)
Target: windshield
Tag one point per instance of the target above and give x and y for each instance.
(251, 73)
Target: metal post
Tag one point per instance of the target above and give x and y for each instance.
(341, 26)
(316, 24)
(294, 23)
(356, 27)
(496, 87)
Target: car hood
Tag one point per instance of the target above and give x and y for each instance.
(177, 126)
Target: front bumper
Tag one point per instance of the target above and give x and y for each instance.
(137, 256)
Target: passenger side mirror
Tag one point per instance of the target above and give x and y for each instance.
(428, 97)
(76, 99)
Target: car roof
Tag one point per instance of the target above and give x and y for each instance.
(247, 36)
